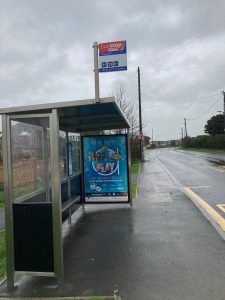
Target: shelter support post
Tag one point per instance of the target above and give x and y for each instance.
(7, 167)
(82, 177)
(68, 175)
(56, 196)
(129, 166)
(46, 163)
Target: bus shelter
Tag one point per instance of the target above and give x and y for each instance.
(44, 182)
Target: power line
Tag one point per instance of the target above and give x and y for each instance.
(206, 110)
(183, 101)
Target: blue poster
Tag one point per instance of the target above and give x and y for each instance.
(105, 168)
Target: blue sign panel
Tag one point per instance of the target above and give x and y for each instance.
(105, 167)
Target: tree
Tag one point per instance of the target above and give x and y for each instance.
(130, 109)
(146, 140)
(215, 125)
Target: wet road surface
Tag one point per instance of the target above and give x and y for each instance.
(201, 175)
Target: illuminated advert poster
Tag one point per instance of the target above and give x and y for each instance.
(105, 168)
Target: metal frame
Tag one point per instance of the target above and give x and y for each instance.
(56, 195)
(68, 176)
(128, 175)
(129, 166)
(7, 166)
(50, 111)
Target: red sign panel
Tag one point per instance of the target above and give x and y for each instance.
(119, 46)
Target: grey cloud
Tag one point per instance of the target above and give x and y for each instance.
(46, 54)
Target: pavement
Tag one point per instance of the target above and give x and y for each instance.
(162, 248)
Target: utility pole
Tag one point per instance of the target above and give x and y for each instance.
(185, 126)
(140, 116)
(182, 137)
(152, 136)
(224, 109)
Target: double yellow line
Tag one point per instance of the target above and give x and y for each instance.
(211, 212)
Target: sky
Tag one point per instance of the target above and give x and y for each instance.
(46, 55)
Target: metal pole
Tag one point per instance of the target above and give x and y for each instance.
(129, 166)
(46, 163)
(96, 71)
(68, 176)
(8, 198)
(140, 115)
(56, 195)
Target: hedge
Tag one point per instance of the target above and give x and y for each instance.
(205, 141)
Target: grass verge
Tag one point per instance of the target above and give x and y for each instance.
(134, 190)
(205, 150)
(135, 167)
(2, 254)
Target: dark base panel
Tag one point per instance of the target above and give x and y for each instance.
(33, 237)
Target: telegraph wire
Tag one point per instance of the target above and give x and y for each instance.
(206, 110)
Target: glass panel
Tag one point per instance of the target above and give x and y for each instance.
(74, 139)
(62, 154)
(31, 159)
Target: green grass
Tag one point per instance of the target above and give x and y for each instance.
(135, 167)
(134, 190)
(134, 170)
(205, 150)
(2, 254)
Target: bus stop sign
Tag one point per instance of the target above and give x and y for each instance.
(113, 56)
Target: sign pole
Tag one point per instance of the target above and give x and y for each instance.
(97, 98)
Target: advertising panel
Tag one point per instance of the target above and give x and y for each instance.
(113, 56)
(105, 168)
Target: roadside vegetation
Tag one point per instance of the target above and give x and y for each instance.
(135, 166)
(214, 139)
(205, 142)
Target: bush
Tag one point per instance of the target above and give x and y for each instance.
(205, 141)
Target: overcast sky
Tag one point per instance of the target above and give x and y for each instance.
(46, 55)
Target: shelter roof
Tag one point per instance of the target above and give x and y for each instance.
(80, 115)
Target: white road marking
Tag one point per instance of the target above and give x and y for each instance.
(198, 187)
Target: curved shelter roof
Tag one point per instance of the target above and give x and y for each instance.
(80, 115)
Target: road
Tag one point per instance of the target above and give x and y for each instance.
(201, 176)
